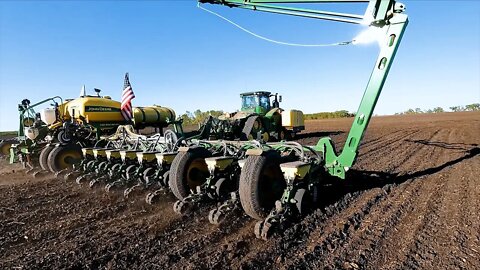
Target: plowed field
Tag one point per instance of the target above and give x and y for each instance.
(412, 201)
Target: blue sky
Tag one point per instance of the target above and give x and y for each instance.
(184, 58)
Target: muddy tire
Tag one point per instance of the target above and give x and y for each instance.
(188, 170)
(285, 135)
(252, 125)
(64, 156)
(43, 158)
(261, 184)
(5, 147)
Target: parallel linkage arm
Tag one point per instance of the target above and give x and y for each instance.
(384, 15)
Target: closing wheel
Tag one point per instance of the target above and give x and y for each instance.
(95, 182)
(211, 216)
(5, 147)
(69, 176)
(64, 156)
(261, 184)
(80, 179)
(43, 158)
(188, 170)
(182, 207)
(216, 217)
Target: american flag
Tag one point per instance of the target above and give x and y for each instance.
(127, 96)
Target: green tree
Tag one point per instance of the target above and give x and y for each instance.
(473, 107)
(438, 110)
(328, 115)
(410, 111)
(457, 108)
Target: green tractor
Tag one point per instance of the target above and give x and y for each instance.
(262, 119)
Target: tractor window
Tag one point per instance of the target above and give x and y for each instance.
(249, 102)
(265, 102)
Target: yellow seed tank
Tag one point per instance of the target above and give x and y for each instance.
(98, 110)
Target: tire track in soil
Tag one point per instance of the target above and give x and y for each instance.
(335, 232)
(104, 212)
(193, 246)
(394, 243)
(386, 158)
(431, 236)
(277, 250)
(377, 221)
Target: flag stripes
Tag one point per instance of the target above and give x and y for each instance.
(127, 96)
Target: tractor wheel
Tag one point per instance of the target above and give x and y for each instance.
(171, 140)
(5, 147)
(252, 126)
(188, 170)
(261, 184)
(284, 135)
(43, 158)
(62, 157)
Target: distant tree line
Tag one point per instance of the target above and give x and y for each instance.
(467, 108)
(328, 115)
(198, 117)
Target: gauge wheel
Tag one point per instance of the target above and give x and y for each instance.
(62, 157)
(188, 170)
(5, 147)
(43, 158)
(261, 184)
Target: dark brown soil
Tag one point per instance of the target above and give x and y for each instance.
(411, 202)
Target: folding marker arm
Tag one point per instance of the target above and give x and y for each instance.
(389, 43)
(384, 15)
(377, 10)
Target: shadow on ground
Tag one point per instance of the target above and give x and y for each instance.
(365, 180)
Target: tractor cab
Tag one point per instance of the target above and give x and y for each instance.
(258, 102)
